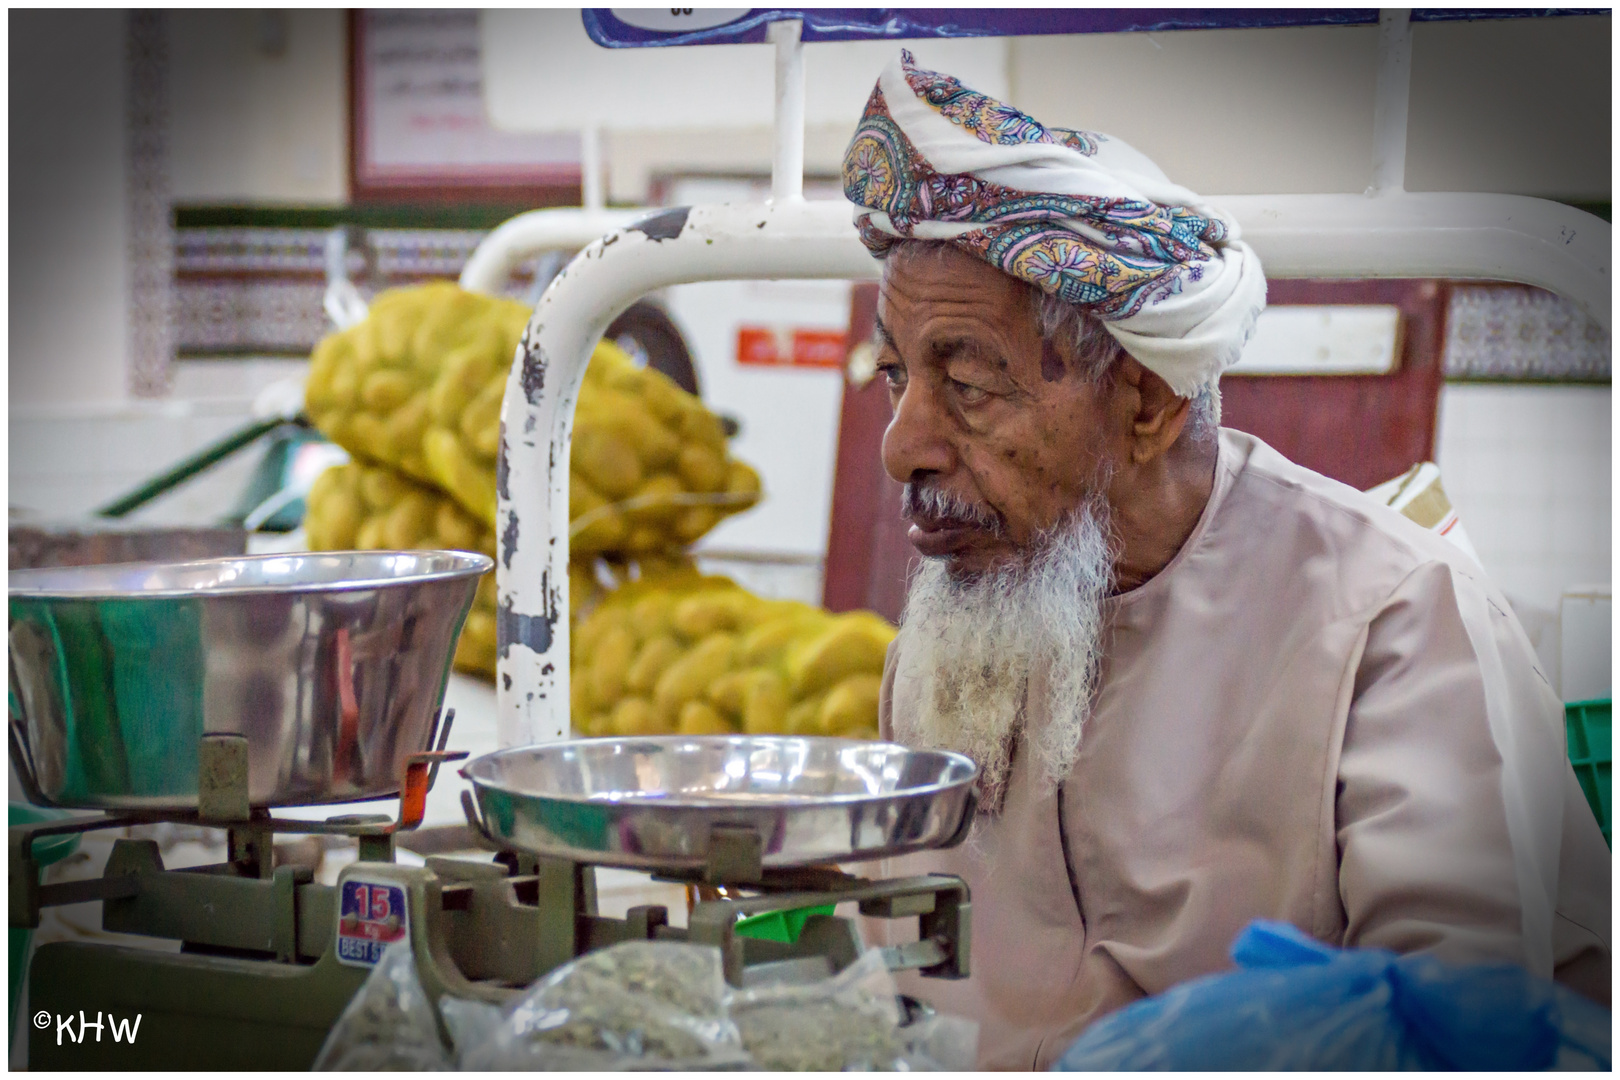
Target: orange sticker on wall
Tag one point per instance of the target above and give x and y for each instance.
(759, 346)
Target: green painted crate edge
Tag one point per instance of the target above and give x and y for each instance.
(784, 926)
(1588, 729)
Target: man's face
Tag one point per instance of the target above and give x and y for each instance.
(984, 413)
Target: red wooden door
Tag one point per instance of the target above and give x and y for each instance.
(1359, 429)
(868, 554)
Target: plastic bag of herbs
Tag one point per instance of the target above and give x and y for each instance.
(851, 1022)
(638, 1005)
(389, 1026)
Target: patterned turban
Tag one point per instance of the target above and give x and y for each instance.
(1078, 215)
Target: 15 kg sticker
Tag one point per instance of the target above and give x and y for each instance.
(372, 916)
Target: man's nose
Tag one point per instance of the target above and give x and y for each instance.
(915, 440)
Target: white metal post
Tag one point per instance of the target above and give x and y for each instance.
(590, 167)
(1391, 100)
(787, 156)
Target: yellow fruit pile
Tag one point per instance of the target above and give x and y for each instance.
(414, 393)
(417, 386)
(649, 469)
(371, 508)
(681, 652)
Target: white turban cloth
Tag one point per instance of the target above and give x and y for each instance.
(1078, 215)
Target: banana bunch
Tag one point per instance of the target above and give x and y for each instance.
(682, 652)
(417, 386)
(368, 507)
(649, 470)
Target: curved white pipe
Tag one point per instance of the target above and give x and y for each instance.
(528, 234)
(1409, 234)
(705, 243)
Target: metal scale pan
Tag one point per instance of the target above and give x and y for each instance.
(726, 805)
(331, 666)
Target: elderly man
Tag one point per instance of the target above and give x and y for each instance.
(1203, 684)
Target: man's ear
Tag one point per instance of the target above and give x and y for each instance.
(1159, 415)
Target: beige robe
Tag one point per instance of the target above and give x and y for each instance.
(1317, 712)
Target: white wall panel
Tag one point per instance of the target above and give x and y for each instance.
(69, 280)
(543, 73)
(1528, 468)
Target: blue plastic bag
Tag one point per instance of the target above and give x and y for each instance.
(1295, 1003)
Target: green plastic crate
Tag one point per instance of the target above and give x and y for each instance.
(784, 926)
(1586, 723)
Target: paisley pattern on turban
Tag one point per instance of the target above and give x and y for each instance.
(1077, 214)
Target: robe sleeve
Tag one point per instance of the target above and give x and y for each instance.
(1461, 829)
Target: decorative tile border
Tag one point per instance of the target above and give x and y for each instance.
(1521, 334)
(245, 316)
(150, 239)
(258, 291)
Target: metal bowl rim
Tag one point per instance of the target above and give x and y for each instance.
(473, 564)
(699, 802)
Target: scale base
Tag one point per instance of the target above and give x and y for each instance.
(197, 1011)
(258, 982)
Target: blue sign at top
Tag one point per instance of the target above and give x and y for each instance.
(628, 28)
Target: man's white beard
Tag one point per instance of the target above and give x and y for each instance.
(967, 648)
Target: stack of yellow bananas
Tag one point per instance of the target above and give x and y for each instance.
(680, 652)
(417, 387)
(414, 393)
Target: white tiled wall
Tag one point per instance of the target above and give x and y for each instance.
(67, 459)
(65, 462)
(1528, 469)
(236, 380)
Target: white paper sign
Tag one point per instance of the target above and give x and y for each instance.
(422, 116)
(1347, 339)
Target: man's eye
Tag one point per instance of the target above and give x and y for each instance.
(893, 374)
(970, 395)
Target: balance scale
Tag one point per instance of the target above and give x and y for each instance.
(269, 958)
